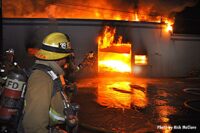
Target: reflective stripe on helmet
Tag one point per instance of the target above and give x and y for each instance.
(52, 45)
(56, 117)
(57, 49)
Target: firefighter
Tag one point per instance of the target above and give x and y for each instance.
(8, 63)
(44, 106)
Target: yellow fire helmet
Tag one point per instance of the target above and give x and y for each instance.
(55, 46)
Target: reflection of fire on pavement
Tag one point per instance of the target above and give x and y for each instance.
(129, 94)
(121, 95)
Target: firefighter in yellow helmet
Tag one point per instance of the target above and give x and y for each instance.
(44, 106)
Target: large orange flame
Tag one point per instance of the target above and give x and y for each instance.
(113, 56)
(169, 25)
(79, 10)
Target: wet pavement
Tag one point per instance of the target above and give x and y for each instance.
(125, 104)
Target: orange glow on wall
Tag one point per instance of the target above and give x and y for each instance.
(140, 60)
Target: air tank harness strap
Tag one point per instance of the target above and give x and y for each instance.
(58, 85)
(50, 72)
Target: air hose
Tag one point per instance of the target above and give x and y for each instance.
(190, 104)
(194, 91)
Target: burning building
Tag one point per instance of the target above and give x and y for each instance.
(135, 38)
(113, 56)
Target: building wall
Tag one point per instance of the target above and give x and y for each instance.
(168, 55)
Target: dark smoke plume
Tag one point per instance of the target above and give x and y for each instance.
(164, 7)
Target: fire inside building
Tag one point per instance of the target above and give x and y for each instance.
(143, 75)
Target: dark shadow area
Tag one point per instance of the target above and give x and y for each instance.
(187, 22)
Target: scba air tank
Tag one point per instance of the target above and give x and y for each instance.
(12, 95)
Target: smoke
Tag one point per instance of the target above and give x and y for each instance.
(162, 7)
(22, 8)
(46, 8)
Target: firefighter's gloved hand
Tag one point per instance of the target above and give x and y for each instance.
(72, 121)
(72, 125)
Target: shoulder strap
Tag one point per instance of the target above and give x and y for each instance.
(56, 81)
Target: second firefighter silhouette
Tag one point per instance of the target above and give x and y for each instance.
(46, 103)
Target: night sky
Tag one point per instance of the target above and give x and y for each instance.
(188, 21)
